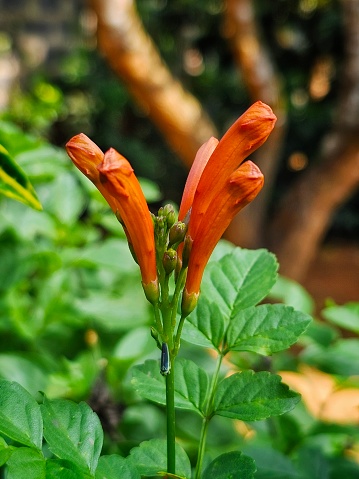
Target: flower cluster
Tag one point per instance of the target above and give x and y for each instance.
(221, 182)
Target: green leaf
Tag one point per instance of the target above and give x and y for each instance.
(24, 371)
(240, 279)
(20, 417)
(114, 467)
(73, 432)
(340, 358)
(26, 463)
(150, 458)
(205, 326)
(346, 316)
(250, 396)
(271, 464)
(14, 183)
(266, 329)
(65, 199)
(232, 465)
(58, 469)
(191, 384)
(5, 451)
(292, 294)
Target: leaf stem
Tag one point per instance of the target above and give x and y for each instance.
(207, 417)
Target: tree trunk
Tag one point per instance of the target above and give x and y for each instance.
(133, 56)
(305, 212)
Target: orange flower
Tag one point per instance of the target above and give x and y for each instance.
(217, 189)
(113, 175)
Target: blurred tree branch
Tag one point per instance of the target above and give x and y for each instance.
(133, 56)
(305, 211)
(262, 81)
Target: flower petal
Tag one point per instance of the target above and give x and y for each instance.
(247, 134)
(202, 157)
(119, 180)
(240, 189)
(86, 155)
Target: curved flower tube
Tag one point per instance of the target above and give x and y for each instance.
(240, 189)
(113, 175)
(216, 190)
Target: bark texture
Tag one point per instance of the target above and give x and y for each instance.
(263, 83)
(133, 56)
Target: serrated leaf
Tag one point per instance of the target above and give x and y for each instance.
(114, 467)
(26, 463)
(191, 384)
(73, 432)
(232, 465)
(346, 316)
(14, 183)
(250, 396)
(150, 458)
(20, 417)
(240, 279)
(266, 329)
(205, 326)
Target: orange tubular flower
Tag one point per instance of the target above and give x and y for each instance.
(113, 175)
(217, 189)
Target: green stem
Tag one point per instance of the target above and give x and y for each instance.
(171, 421)
(207, 418)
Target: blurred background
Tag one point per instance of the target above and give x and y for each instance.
(155, 79)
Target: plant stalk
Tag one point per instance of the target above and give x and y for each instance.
(171, 421)
(207, 418)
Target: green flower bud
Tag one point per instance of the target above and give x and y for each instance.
(177, 233)
(170, 214)
(169, 261)
(186, 251)
(152, 291)
(189, 302)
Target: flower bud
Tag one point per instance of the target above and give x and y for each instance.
(169, 260)
(152, 291)
(170, 215)
(186, 251)
(177, 233)
(189, 302)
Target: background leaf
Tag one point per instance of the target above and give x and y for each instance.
(20, 417)
(14, 183)
(151, 457)
(266, 329)
(250, 396)
(346, 316)
(233, 465)
(272, 464)
(191, 384)
(26, 463)
(73, 432)
(114, 466)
